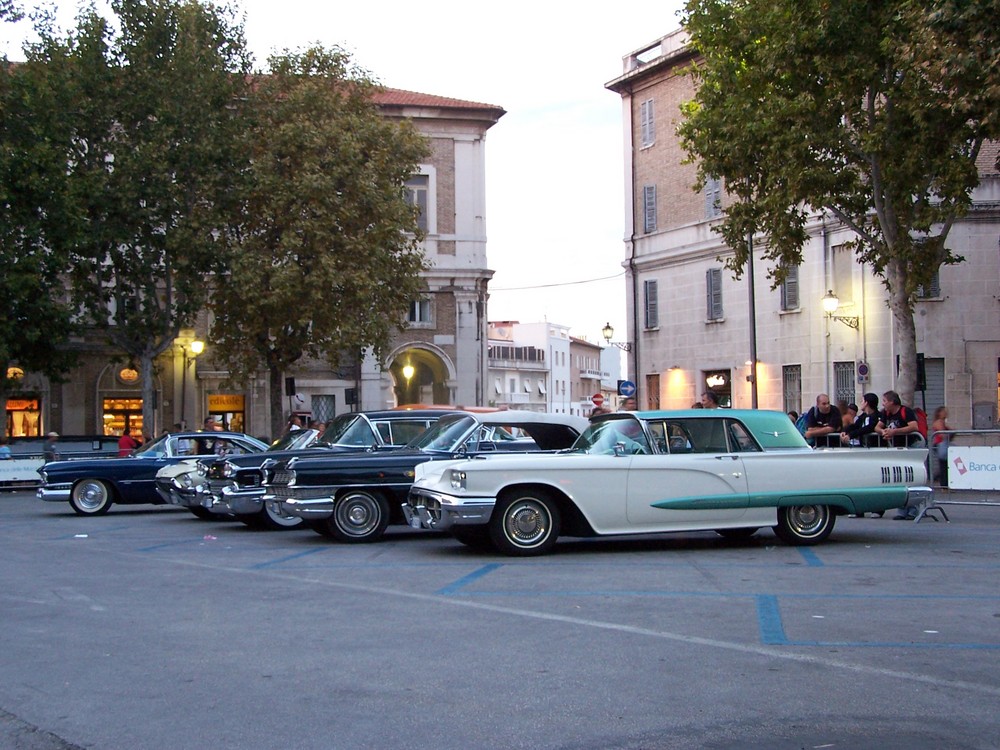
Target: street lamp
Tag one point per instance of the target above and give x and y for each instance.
(608, 332)
(197, 347)
(830, 304)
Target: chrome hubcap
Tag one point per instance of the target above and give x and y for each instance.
(527, 523)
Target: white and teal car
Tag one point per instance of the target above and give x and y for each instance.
(730, 471)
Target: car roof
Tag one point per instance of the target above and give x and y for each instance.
(516, 418)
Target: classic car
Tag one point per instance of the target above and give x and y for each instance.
(729, 471)
(182, 484)
(92, 485)
(353, 498)
(234, 485)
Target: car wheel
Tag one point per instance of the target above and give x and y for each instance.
(737, 533)
(92, 497)
(269, 519)
(804, 524)
(525, 523)
(358, 516)
(475, 537)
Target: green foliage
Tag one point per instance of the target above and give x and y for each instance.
(141, 120)
(328, 248)
(874, 112)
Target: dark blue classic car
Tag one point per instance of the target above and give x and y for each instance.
(354, 497)
(234, 484)
(92, 485)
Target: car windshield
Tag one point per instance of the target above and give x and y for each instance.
(446, 435)
(294, 440)
(602, 437)
(153, 448)
(349, 429)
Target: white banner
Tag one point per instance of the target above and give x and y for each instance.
(973, 468)
(20, 470)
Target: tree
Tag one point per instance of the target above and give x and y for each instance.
(328, 257)
(874, 113)
(37, 323)
(149, 141)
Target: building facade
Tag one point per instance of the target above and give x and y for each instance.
(440, 357)
(691, 323)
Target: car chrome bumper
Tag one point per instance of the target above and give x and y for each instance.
(241, 501)
(55, 493)
(433, 510)
(309, 509)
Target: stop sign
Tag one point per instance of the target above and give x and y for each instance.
(598, 399)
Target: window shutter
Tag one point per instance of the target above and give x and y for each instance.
(713, 283)
(647, 123)
(790, 290)
(652, 317)
(649, 208)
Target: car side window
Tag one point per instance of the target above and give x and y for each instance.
(740, 439)
(702, 436)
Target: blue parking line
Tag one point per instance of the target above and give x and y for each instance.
(473, 576)
(772, 630)
(296, 556)
(810, 556)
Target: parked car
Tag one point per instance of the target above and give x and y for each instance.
(729, 471)
(234, 485)
(353, 498)
(92, 485)
(183, 484)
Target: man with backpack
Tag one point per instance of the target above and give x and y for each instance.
(823, 423)
(897, 424)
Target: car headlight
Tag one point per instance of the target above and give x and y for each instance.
(457, 480)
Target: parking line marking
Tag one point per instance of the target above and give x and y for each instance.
(296, 556)
(464, 580)
(772, 630)
(811, 558)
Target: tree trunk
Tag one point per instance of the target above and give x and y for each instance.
(276, 394)
(148, 397)
(904, 329)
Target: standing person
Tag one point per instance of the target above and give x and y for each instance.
(628, 404)
(856, 433)
(823, 423)
(709, 400)
(940, 446)
(126, 443)
(49, 449)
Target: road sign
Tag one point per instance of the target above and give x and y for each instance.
(626, 388)
(598, 399)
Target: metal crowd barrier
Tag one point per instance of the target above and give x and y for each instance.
(972, 469)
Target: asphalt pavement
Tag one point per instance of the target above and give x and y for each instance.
(150, 629)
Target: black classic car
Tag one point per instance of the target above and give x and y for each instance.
(353, 498)
(234, 485)
(92, 485)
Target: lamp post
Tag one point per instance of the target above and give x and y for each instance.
(197, 347)
(408, 371)
(608, 332)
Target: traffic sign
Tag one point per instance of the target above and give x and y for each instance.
(598, 399)
(626, 388)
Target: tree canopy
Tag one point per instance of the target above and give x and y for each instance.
(329, 248)
(874, 113)
(140, 113)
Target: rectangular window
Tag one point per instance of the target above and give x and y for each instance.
(417, 189)
(649, 208)
(652, 314)
(713, 197)
(713, 289)
(843, 382)
(647, 124)
(931, 290)
(791, 392)
(420, 311)
(843, 274)
(790, 290)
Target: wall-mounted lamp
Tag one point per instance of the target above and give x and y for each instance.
(830, 304)
(408, 371)
(608, 332)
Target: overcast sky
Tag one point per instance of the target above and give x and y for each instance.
(555, 175)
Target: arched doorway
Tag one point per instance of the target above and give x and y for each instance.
(420, 375)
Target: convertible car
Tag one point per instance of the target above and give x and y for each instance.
(354, 497)
(92, 485)
(729, 471)
(234, 484)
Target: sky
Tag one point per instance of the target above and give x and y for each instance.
(554, 163)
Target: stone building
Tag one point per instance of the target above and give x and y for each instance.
(690, 320)
(441, 357)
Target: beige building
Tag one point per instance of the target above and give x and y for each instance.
(690, 321)
(440, 358)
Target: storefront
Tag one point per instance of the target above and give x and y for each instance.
(121, 414)
(228, 409)
(24, 417)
